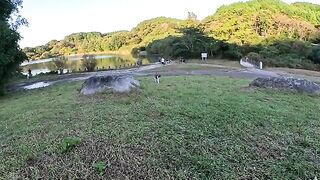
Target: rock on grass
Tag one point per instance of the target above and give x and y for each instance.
(119, 84)
(287, 83)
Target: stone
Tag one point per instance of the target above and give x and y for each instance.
(287, 83)
(119, 84)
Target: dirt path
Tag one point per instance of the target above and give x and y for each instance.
(168, 70)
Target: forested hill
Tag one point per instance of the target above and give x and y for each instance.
(143, 34)
(255, 21)
(252, 23)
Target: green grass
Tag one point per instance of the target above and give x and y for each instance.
(186, 127)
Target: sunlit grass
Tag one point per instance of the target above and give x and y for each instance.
(185, 127)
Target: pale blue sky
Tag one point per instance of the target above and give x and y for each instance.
(54, 19)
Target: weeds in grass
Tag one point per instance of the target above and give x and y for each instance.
(67, 144)
(100, 167)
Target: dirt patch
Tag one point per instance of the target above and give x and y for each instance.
(123, 162)
(246, 89)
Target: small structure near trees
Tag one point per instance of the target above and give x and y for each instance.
(204, 56)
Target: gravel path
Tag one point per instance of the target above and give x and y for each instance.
(149, 70)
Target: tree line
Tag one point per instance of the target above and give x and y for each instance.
(272, 29)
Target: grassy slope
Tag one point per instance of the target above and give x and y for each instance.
(201, 127)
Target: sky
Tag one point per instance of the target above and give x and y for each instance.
(55, 19)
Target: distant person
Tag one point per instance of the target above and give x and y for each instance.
(182, 60)
(29, 73)
(168, 61)
(157, 78)
(139, 62)
(163, 61)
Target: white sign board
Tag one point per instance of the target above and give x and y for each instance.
(204, 56)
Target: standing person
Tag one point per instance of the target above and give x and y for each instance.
(138, 62)
(29, 73)
(157, 78)
(163, 61)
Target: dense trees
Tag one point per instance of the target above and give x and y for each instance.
(288, 53)
(190, 43)
(265, 27)
(10, 54)
(79, 43)
(254, 21)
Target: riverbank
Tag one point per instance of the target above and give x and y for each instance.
(193, 67)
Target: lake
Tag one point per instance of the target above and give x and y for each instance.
(74, 64)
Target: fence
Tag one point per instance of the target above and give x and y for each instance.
(249, 63)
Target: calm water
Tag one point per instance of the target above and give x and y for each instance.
(74, 64)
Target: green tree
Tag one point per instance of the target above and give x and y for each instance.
(10, 53)
(118, 40)
(60, 63)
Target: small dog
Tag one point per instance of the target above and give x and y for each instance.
(157, 78)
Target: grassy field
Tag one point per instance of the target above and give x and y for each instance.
(195, 127)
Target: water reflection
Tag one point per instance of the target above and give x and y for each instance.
(74, 64)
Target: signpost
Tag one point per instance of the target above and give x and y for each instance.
(204, 56)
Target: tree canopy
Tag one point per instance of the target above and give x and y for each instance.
(255, 21)
(10, 53)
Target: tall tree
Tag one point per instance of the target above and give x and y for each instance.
(10, 53)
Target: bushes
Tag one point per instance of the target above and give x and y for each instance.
(286, 53)
(191, 44)
(89, 62)
(232, 52)
(315, 55)
(60, 63)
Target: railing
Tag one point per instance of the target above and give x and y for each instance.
(249, 63)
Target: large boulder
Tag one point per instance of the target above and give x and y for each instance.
(120, 84)
(287, 83)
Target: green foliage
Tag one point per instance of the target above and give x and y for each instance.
(155, 29)
(254, 21)
(67, 144)
(254, 56)
(287, 53)
(232, 52)
(60, 63)
(315, 55)
(117, 40)
(145, 33)
(10, 53)
(89, 62)
(100, 167)
(191, 44)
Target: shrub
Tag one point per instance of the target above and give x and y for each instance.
(89, 62)
(254, 56)
(315, 55)
(232, 52)
(60, 63)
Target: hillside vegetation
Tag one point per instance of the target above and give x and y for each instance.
(271, 31)
(257, 21)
